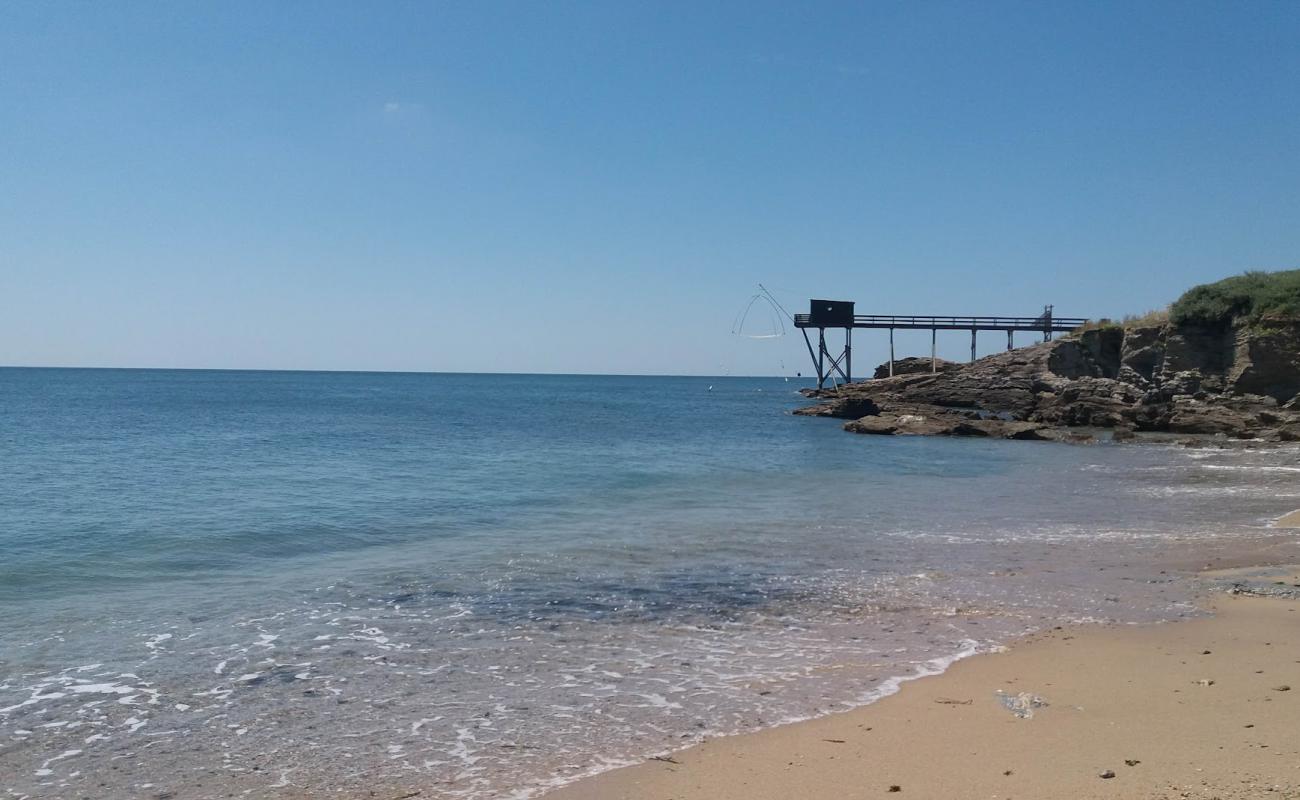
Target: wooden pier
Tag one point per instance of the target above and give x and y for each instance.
(823, 314)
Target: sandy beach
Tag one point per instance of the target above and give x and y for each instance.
(1207, 708)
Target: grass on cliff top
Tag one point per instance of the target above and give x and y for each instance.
(1155, 317)
(1251, 298)
(1150, 318)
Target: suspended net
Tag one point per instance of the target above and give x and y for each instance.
(760, 318)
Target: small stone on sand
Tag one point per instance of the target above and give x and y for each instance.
(1110, 773)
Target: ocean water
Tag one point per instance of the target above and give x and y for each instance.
(276, 584)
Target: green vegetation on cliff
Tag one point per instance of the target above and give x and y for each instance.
(1252, 297)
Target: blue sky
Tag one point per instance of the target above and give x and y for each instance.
(598, 187)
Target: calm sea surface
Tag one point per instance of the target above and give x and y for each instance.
(320, 584)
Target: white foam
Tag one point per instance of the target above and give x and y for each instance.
(33, 700)
(656, 700)
(45, 766)
(1253, 468)
(154, 642)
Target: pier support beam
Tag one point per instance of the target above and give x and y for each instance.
(827, 364)
(848, 355)
(891, 352)
(972, 345)
(821, 355)
(1011, 342)
(934, 352)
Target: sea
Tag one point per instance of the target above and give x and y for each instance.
(304, 584)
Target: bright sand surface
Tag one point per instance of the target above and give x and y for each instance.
(1207, 708)
(1291, 520)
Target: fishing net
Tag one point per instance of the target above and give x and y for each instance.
(760, 318)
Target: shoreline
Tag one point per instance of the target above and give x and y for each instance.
(383, 681)
(1165, 696)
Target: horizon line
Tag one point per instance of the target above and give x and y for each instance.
(395, 372)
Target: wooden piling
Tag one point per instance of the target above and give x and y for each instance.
(891, 352)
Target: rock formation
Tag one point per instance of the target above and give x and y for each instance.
(1234, 380)
(914, 365)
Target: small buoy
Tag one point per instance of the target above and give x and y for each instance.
(710, 387)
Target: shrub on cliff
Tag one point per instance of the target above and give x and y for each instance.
(1251, 297)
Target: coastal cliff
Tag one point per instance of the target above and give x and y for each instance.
(1232, 370)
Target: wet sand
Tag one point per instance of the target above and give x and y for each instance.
(1207, 708)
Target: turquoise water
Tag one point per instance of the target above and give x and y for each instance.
(484, 585)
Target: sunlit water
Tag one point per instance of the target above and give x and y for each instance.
(303, 584)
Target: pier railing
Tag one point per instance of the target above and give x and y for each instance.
(1039, 324)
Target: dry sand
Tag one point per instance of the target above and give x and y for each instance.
(1208, 708)
(1291, 520)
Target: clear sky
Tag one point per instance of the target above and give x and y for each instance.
(598, 187)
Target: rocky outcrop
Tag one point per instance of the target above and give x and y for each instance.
(846, 405)
(1090, 402)
(1142, 354)
(947, 423)
(915, 366)
(1092, 354)
(1267, 361)
(1234, 382)
(1204, 350)
(906, 424)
